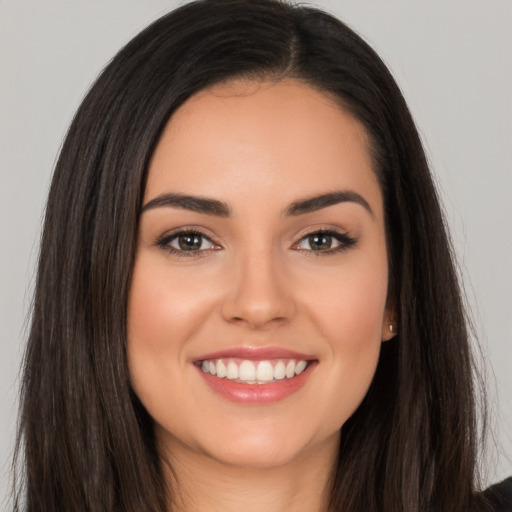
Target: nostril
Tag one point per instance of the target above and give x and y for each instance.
(257, 299)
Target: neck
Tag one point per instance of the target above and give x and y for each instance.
(202, 484)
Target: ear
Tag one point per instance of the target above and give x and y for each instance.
(389, 324)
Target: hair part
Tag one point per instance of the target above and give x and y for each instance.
(86, 441)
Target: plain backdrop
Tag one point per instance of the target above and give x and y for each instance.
(453, 61)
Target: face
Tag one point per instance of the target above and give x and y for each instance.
(258, 302)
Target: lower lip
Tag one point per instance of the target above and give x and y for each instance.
(257, 393)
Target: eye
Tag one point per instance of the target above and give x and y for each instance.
(325, 242)
(190, 242)
(183, 242)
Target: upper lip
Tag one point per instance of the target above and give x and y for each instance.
(255, 354)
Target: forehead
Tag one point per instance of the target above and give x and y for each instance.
(280, 140)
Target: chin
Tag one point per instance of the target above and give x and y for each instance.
(257, 455)
(269, 447)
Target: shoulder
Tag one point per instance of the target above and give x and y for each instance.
(500, 496)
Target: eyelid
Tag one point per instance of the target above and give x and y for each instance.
(345, 239)
(164, 241)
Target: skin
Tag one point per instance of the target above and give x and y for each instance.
(258, 147)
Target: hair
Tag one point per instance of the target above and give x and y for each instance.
(85, 441)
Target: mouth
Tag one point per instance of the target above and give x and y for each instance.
(246, 371)
(255, 376)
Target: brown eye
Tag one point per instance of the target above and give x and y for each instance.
(186, 242)
(320, 241)
(189, 242)
(325, 242)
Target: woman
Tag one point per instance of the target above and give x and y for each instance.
(246, 296)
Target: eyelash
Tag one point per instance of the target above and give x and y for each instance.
(345, 240)
(164, 243)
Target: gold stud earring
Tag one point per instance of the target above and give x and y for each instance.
(391, 327)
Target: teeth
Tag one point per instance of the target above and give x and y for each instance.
(301, 366)
(232, 370)
(221, 369)
(265, 371)
(279, 370)
(247, 371)
(254, 372)
(290, 369)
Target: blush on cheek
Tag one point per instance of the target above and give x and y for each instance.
(355, 318)
(152, 311)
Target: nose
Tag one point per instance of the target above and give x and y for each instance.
(258, 294)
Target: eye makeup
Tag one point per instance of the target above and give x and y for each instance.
(325, 242)
(187, 242)
(192, 242)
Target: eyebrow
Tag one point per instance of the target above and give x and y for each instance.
(218, 208)
(315, 203)
(193, 203)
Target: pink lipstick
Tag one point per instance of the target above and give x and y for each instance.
(255, 375)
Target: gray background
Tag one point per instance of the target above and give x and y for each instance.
(452, 59)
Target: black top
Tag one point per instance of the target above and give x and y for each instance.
(500, 496)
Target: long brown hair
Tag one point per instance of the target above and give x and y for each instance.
(85, 442)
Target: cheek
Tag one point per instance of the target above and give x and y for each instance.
(349, 303)
(162, 316)
(349, 315)
(164, 307)
(149, 334)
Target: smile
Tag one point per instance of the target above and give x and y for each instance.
(255, 376)
(254, 372)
